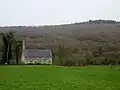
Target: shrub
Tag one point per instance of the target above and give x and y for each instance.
(97, 61)
(38, 63)
(78, 60)
(45, 64)
(88, 57)
(30, 64)
(33, 64)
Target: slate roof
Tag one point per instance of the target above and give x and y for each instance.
(37, 53)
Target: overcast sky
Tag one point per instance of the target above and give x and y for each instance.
(44, 12)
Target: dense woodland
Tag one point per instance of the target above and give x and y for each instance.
(95, 42)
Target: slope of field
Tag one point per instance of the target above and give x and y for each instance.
(59, 78)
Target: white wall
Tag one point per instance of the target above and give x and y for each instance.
(46, 60)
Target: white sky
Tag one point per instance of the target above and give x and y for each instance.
(44, 12)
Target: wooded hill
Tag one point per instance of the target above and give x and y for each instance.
(95, 41)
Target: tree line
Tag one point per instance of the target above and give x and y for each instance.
(100, 21)
(12, 48)
(79, 57)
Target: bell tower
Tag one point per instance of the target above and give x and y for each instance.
(23, 50)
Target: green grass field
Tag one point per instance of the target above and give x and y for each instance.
(59, 78)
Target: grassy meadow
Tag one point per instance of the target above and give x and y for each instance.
(59, 78)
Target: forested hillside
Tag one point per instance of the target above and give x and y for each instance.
(93, 42)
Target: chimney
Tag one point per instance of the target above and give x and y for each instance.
(23, 47)
(23, 50)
